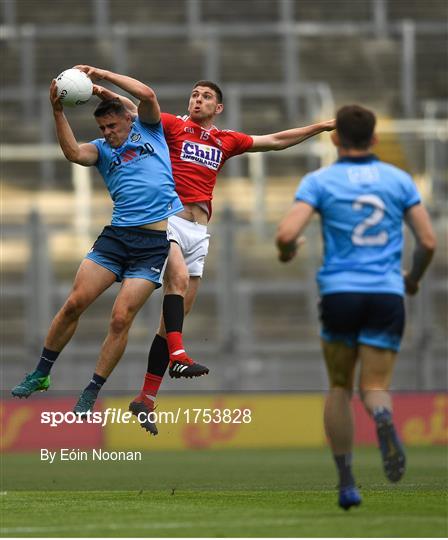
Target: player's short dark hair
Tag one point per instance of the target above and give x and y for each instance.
(109, 106)
(213, 86)
(355, 126)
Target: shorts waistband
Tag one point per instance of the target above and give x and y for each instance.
(187, 224)
(137, 230)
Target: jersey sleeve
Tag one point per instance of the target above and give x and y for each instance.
(239, 143)
(99, 143)
(155, 130)
(309, 191)
(411, 196)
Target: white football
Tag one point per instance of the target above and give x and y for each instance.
(74, 87)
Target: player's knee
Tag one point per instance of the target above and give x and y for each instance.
(120, 322)
(341, 380)
(73, 308)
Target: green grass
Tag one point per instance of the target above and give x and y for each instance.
(250, 493)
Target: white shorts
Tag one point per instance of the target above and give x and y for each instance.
(193, 240)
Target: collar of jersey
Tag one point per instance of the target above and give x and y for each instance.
(199, 126)
(357, 159)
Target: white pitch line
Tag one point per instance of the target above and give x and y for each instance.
(189, 524)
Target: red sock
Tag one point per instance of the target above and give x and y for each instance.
(176, 347)
(150, 387)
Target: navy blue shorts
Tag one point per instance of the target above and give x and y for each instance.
(363, 318)
(131, 252)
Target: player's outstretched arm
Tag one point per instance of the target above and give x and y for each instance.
(288, 238)
(148, 108)
(105, 93)
(418, 220)
(83, 154)
(290, 137)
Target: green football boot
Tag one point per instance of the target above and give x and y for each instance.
(33, 382)
(85, 403)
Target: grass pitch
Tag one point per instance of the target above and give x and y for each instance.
(250, 493)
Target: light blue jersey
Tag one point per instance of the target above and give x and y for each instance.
(138, 176)
(362, 202)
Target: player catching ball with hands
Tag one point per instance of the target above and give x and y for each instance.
(133, 159)
(198, 151)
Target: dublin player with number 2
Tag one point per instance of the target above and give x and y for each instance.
(362, 204)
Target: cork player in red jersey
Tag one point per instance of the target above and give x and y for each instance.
(198, 151)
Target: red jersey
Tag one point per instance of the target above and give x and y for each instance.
(198, 154)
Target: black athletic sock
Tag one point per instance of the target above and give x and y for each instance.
(381, 414)
(47, 359)
(344, 465)
(173, 312)
(173, 315)
(158, 357)
(96, 382)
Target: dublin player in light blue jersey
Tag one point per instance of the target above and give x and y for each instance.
(134, 161)
(362, 203)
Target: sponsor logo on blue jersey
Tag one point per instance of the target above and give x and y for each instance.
(208, 156)
(141, 152)
(367, 174)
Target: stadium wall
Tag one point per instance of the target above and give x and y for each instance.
(276, 421)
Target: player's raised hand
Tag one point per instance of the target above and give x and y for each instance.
(105, 93)
(91, 72)
(54, 98)
(102, 93)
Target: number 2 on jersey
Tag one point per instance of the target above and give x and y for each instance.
(359, 236)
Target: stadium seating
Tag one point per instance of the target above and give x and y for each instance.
(355, 66)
